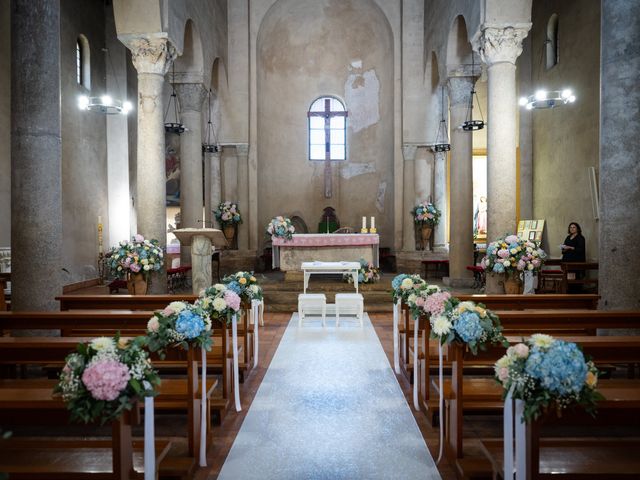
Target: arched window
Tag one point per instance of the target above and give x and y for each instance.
(83, 71)
(552, 41)
(327, 129)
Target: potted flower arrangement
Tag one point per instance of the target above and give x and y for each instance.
(135, 260)
(512, 256)
(221, 301)
(426, 215)
(105, 378)
(367, 274)
(245, 285)
(281, 227)
(179, 324)
(545, 372)
(228, 215)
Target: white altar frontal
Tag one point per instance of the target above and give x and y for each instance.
(288, 255)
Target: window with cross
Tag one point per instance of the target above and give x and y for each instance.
(327, 130)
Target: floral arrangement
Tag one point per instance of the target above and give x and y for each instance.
(179, 324)
(465, 322)
(513, 255)
(221, 301)
(427, 300)
(544, 371)
(281, 227)
(245, 285)
(106, 377)
(227, 213)
(426, 213)
(367, 273)
(404, 285)
(136, 256)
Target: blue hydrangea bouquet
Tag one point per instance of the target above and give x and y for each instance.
(245, 285)
(403, 286)
(281, 227)
(545, 372)
(367, 273)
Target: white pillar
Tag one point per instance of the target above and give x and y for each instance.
(151, 57)
(214, 182)
(440, 199)
(461, 227)
(242, 151)
(408, 231)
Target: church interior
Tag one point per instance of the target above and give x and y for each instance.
(195, 166)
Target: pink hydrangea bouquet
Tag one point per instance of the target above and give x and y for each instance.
(136, 256)
(428, 300)
(105, 377)
(281, 227)
(220, 301)
(179, 324)
(513, 255)
(245, 284)
(227, 213)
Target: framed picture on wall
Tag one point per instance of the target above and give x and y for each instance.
(538, 236)
(532, 235)
(534, 224)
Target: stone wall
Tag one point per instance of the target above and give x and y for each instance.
(565, 140)
(5, 125)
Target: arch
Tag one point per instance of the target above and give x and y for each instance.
(458, 46)
(191, 62)
(551, 42)
(83, 62)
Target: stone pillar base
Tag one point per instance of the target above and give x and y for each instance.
(232, 261)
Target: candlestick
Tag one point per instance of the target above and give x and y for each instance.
(373, 222)
(364, 223)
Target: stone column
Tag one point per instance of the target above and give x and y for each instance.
(191, 96)
(440, 200)
(213, 159)
(422, 175)
(242, 151)
(408, 231)
(619, 152)
(499, 48)
(151, 57)
(36, 155)
(461, 227)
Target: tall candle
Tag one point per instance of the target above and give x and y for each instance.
(364, 222)
(99, 233)
(373, 222)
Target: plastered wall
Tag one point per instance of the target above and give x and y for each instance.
(306, 50)
(5, 125)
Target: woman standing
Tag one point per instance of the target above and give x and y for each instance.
(573, 249)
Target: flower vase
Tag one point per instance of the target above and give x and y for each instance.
(512, 284)
(229, 231)
(425, 234)
(136, 284)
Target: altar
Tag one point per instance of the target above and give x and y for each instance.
(288, 255)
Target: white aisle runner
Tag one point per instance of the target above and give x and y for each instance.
(329, 407)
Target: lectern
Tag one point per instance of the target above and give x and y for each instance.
(201, 240)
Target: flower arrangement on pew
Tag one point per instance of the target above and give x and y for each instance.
(245, 285)
(404, 285)
(180, 324)
(281, 227)
(106, 377)
(468, 323)
(367, 273)
(227, 213)
(545, 373)
(428, 300)
(136, 256)
(513, 255)
(221, 301)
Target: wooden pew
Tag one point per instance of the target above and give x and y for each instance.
(494, 302)
(158, 302)
(605, 350)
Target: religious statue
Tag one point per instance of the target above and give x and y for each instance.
(480, 217)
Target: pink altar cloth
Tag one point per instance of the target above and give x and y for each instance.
(327, 240)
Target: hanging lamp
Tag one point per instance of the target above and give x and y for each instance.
(442, 137)
(105, 104)
(470, 125)
(176, 127)
(210, 145)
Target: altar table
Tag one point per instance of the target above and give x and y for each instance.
(330, 267)
(288, 255)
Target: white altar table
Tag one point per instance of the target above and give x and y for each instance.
(288, 255)
(328, 268)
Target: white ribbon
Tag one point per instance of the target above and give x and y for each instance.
(396, 353)
(236, 375)
(255, 307)
(521, 457)
(441, 410)
(203, 412)
(149, 440)
(416, 404)
(262, 312)
(507, 435)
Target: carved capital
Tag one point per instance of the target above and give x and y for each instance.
(151, 54)
(502, 44)
(191, 96)
(409, 152)
(459, 90)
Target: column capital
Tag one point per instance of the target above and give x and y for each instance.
(150, 54)
(191, 96)
(242, 149)
(501, 43)
(409, 152)
(459, 90)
